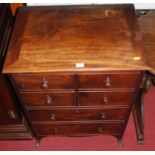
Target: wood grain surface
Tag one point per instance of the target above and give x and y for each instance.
(75, 38)
(147, 26)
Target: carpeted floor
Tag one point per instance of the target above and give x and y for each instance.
(97, 142)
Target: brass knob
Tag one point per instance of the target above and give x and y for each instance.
(103, 116)
(48, 100)
(55, 131)
(107, 82)
(105, 99)
(52, 116)
(44, 84)
(12, 115)
(100, 130)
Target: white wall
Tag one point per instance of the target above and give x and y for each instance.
(138, 4)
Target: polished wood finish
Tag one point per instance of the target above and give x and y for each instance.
(12, 121)
(74, 114)
(15, 6)
(20, 131)
(44, 81)
(5, 28)
(85, 129)
(8, 112)
(147, 25)
(44, 32)
(77, 70)
(111, 80)
(105, 98)
(49, 98)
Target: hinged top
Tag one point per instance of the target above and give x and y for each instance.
(75, 38)
(147, 26)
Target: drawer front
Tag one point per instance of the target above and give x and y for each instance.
(43, 82)
(8, 112)
(79, 129)
(105, 98)
(48, 99)
(109, 81)
(8, 116)
(78, 114)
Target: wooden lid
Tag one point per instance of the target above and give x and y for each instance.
(75, 38)
(147, 26)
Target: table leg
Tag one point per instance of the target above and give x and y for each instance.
(138, 110)
(138, 113)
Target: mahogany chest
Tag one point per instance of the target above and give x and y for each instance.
(78, 70)
(12, 121)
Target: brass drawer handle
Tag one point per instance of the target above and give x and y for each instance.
(48, 99)
(55, 131)
(52, 116)
(107, 82)
(12, 115)
(44, 84)
(103, 116)
(100, 130)
(105, 99)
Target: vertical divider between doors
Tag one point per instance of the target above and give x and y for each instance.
(77, 89)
